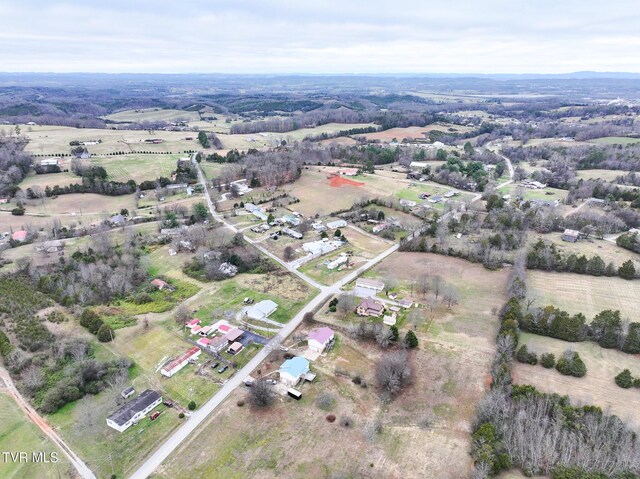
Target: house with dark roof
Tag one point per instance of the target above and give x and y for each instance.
(370, 307)
(134, 410)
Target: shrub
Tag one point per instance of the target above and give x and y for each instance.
(261, 394)
(105, 333)
(548, 360)
(627, 270)
(192, 406)
(570, 364)
(331, 418)
(181, 415)
(524, 356)
(624, 379)
(326, 401)
(240, 402)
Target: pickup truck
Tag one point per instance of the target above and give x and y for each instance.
(154, 416)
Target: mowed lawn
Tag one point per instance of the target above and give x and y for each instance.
(54, 140)
(596, 387)
(152, 114)
(123, 168)
(19, 434)
(585, 294)
(607, 175)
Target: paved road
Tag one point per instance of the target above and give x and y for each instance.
(154, 461)
(83, 471)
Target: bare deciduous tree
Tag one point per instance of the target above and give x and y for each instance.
(182, 314)
(261, 394)
(393, 372)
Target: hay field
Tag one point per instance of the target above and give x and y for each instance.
(585, 294)
(412, 132)
(318, 197)
(51, 179)
(615, 140)
(54, 140)
(80, 203)
(597, 387)
(152, 114)
(607, 175)
(123, 168)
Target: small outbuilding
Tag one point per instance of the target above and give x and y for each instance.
(262, 310)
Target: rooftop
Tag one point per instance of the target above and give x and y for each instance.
(322, 335)
(296, 367)
(133, 407)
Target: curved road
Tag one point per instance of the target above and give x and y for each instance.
(154, 461)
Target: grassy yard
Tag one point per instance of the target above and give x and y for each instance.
(616, 140)
(19, 434)
(549, 194)
(161, 301)
(585, 294)
(607, 175)
(123, 168)
(608, 251)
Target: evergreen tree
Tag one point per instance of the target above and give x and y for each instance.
(632, 341)
(395, 334)
(548, 360)
(624, 379)
(596, 266)
(627, 270)
(411, 340)
(105, 333)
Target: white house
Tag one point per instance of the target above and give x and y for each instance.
(332, 225)
(134, 410)
(293, 370)
(320, 338)
(175, 365)
(262, 310)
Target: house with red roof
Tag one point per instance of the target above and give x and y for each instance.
(191, 324)
(204, 342)
(175, 365)
(320, 338)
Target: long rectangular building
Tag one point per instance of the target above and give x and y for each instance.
(134, 410)
(181, 361)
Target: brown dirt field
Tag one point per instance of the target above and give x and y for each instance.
(338, 181)
(597, 387)
(585, 294)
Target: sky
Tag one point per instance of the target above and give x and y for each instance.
(326, 36)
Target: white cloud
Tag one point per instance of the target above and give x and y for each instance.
(490, 36)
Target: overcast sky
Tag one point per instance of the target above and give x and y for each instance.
(326, 36)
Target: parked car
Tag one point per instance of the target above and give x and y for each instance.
(271, 381)
(168, 403)
(248, 300)
(223, 369)
(215, 365)
(154, 416)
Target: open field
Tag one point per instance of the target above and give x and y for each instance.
(123, 168)
(450, 369)
(54, 140)
(152, 114)
(293, 439)
(81, 204)
(470, 324)
(318, 197)
(224, 298)
(19, 434)
(585, 294)
(411, 132)
(608, 251)
(607, 175)
(548, 193)
(615, 140)
(597, 387)
(50, 179)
